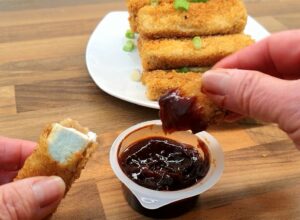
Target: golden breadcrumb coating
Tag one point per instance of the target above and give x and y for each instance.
(159, 82)
(189, 84)
(133, 8)
(210, 18)
(177, 53)
(40, 163)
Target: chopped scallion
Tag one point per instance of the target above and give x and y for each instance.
(181, 5)
(130, 34)
(183, 70)
(197, 42)
(129, 46)
(136, 75)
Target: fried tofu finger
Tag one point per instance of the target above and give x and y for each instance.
(63, 150)
(213, 17)
(182, 104)
(177, 53)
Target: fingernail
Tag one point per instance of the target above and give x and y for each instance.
(48, 190)
(216, 81)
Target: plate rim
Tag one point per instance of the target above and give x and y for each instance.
(103, 87)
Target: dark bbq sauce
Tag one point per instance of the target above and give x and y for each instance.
(179, 113)
(163, 164)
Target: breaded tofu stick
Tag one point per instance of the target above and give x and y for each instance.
(182, 104)
(63, 150)
(210, 18)
(133, 8)
(177, 53)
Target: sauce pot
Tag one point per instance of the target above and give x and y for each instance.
(153, 199)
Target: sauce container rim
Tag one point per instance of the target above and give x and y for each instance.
(154, 199)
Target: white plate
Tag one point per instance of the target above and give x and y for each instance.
(110, 67)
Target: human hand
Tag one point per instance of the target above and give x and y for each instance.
(263, 83)
(32, 198)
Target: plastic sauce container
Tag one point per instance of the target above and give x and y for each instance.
(156, 203)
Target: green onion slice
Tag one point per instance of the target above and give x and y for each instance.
(183, 70)
(136, 75)
(197, 42)
(181, 5)
(130, 34)
(129, 46)
(184, 4)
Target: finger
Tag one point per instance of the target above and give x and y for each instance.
(247, 92)
(7, 176)
(277, 55)
(13, 153)
(256, 95)
(32, 198)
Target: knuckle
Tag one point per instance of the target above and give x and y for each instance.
(291, 126)
(296, 138)
(289, 119)
(13, 205)
(245, 91)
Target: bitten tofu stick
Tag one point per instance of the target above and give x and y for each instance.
(63, 150)
(177, 53)
(213, 17)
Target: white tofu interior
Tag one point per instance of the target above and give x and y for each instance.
(63, 142)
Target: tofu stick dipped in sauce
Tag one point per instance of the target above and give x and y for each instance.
(187, 108)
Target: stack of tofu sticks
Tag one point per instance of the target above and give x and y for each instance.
(197, 37)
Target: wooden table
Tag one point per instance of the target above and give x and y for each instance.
(43, 78)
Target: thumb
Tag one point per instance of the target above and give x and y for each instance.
(256, 95)
(32, 198)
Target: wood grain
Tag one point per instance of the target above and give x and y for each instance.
(7, 100)
(43, 78)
